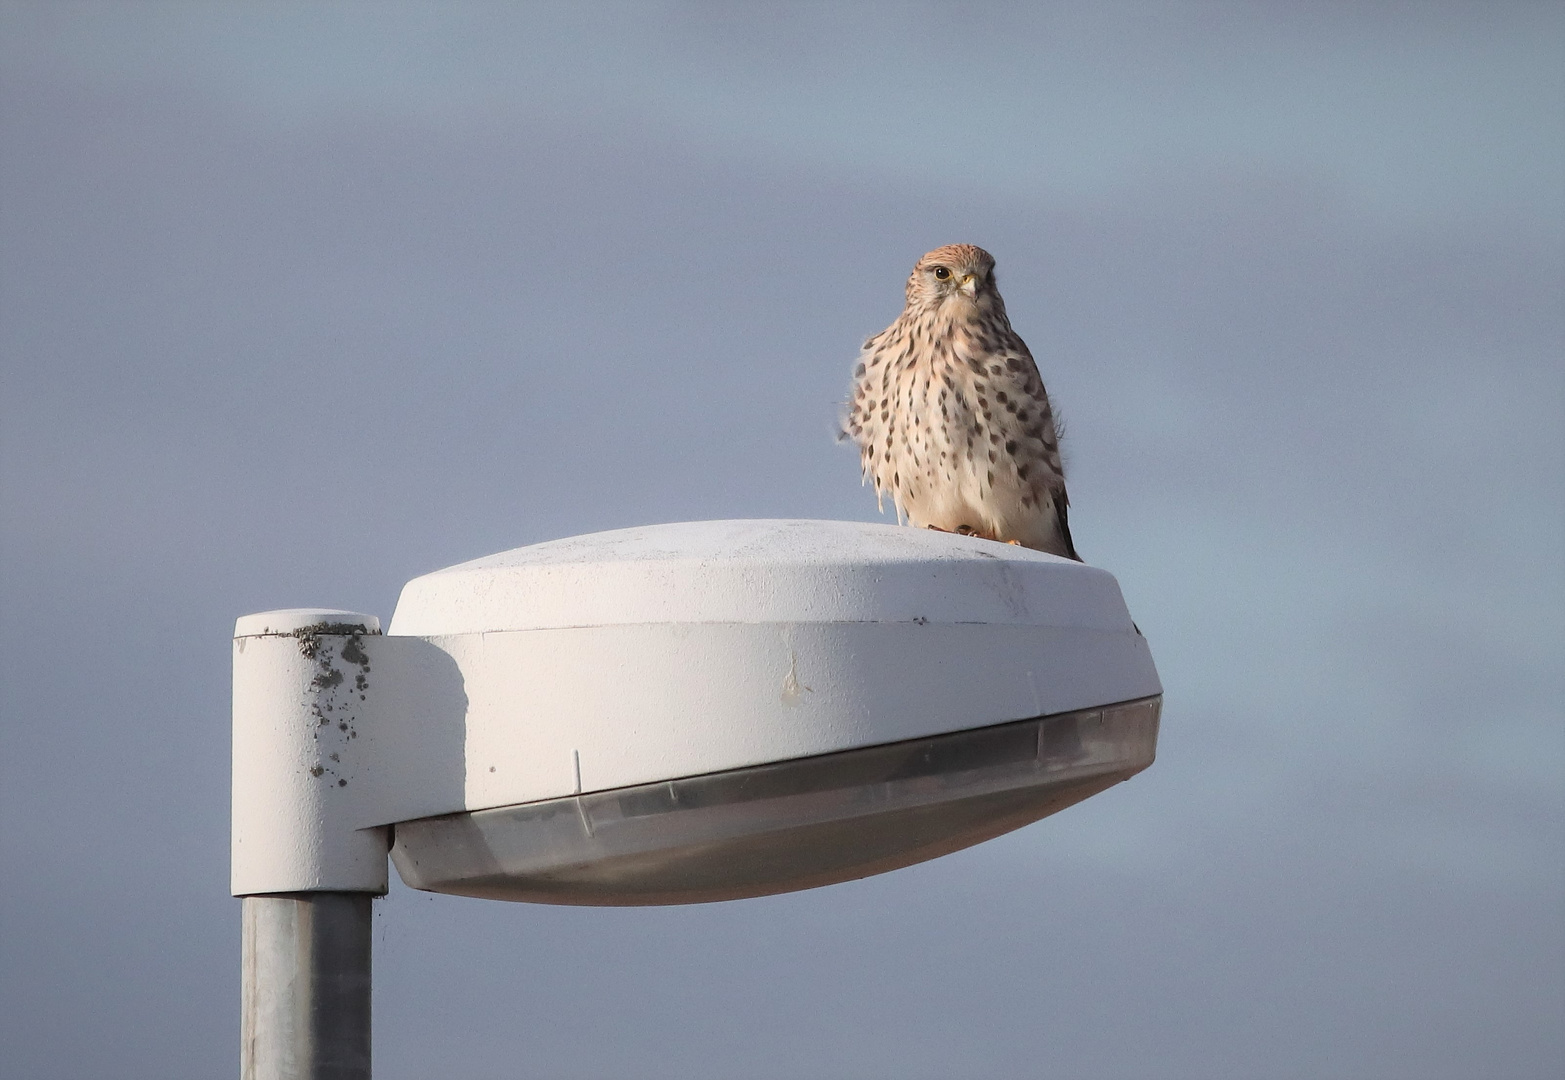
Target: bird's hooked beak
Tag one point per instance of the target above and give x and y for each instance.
(968, 284)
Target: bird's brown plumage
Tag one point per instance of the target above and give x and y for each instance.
(950, 414)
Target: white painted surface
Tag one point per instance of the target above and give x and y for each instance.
(650, 654)
(636, 704)
(292, 620)
(304, 761)
(760, 571)
(664, 651)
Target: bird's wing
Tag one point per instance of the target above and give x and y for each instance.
(1061, 515)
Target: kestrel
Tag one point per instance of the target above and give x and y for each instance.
(950, 414)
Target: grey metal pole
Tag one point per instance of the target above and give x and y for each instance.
(306, 997)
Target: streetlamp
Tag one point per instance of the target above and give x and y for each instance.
(662, 715)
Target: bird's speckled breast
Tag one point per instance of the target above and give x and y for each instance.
(952, 421)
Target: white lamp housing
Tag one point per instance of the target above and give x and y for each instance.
(683, 713)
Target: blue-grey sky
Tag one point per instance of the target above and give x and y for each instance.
(300, 301)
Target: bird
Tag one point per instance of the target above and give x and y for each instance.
(950, 414)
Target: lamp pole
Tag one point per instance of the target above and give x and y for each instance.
(306, 998)
(306, 880)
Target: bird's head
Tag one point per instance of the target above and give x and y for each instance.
(957, 272)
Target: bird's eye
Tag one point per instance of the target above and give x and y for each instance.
(942, 273)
